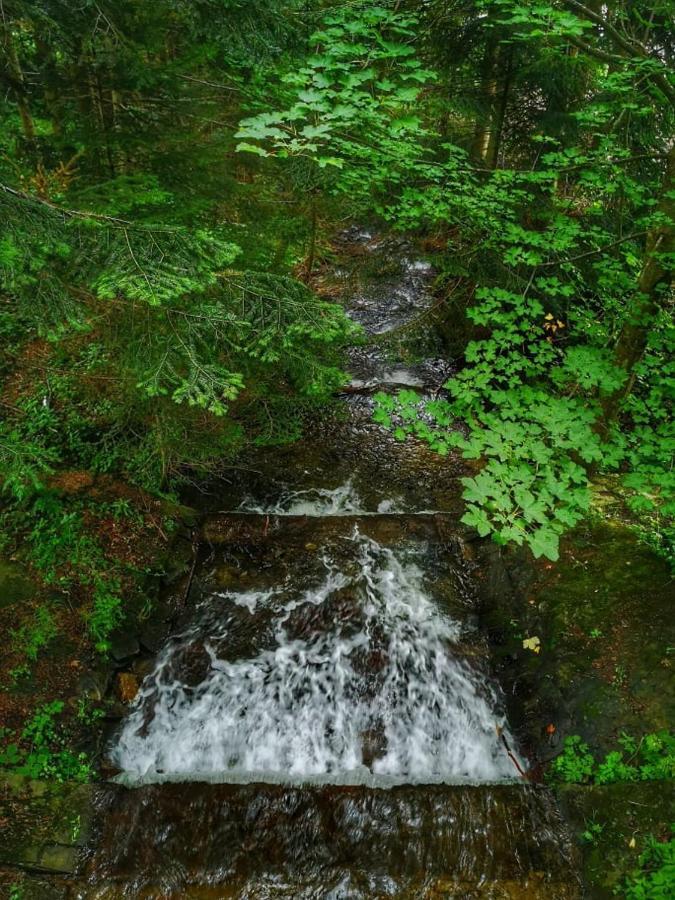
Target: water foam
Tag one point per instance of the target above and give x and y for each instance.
(380, 691)
(339, 501)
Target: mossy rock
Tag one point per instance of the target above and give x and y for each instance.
(625, 815)
(603, 615)
(15, 584)
(45, 824)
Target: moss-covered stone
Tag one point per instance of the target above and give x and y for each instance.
(624, 816)
(45, 825)
(15, 585)
(604, 617)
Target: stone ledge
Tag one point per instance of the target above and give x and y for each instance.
(45, 825)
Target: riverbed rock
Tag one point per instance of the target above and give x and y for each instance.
(502, 842)
(126, 685)
(124, 645)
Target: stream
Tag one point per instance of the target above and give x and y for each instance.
(323, 722)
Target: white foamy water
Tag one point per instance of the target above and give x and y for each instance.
(339, 501)
(375, 691)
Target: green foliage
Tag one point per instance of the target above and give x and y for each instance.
(32, 637)
(592, 833)
(531, 486)
(575, 764)
(352, 106)
(66, 554)
(655, 876)
(153, 325)
(650, 759)
(41, 750)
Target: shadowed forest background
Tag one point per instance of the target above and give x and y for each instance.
(172, 174)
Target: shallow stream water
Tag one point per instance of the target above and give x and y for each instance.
(323, 723)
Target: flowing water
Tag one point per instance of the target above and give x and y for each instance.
(323, 723)
(353, 676)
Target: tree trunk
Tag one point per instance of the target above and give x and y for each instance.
(488, 93)
(652, 288)
(495, 87)
(499, 115)
(49, 70)
(311, 252)
(16, 74)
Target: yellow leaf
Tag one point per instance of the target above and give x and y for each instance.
(631, 843)
(532, 643)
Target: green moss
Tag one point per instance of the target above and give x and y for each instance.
(629, 818)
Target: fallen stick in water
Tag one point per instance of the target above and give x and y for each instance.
(500, 735)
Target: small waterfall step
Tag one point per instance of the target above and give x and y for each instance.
(265, 842)
(338, 648)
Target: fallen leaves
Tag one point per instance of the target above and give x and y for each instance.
(532, 643)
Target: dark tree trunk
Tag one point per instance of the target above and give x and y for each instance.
(653, 286)
(16, 75)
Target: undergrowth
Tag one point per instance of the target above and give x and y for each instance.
(41, 749)
(654, 877)
(649, 759)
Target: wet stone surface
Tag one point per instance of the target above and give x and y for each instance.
(274, 841)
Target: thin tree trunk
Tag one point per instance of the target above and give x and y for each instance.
(119, 155)
(49, 69)
(499, 115)
(652, 288)
(488, 93)
(495, 87)
(16, 74)
(309, 265)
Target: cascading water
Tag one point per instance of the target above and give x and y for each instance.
(338, 501)
(330, 689)
(380, 691)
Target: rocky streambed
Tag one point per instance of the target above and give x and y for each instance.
(334, 699)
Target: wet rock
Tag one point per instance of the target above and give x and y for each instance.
(240, 531)
(274, 841)
(192, 663)
(143, 667)
(342, 607)
(226, 576)
(108, 770)
(373, 745)
(124, 646)
(126, 686)
(94, 685)
(57, 858)
(153, 634)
